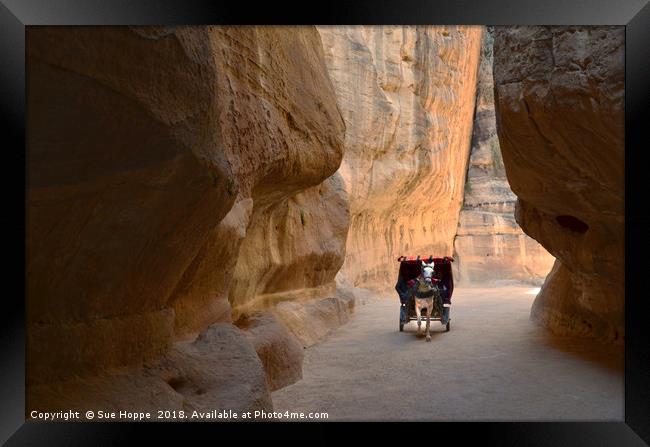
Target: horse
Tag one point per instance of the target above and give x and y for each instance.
(426, 295)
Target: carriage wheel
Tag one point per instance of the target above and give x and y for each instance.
(448, 326)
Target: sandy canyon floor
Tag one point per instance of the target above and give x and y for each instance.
(494, 364)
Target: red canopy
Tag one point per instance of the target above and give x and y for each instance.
(427, 258)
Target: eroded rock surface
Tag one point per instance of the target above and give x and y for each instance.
(489, 245)
(219, 370)
(407, 95)
(157, 158)
(560, 119)
(293, 249)
(309, 321)
(280, 352)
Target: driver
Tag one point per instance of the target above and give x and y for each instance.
(403, 287)
(402, 291)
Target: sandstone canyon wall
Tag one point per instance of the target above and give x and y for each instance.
(406, 94)
(559, 95)
(489, 245)
(177, 178)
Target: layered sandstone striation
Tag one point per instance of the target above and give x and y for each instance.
(489, 245)
(559, 95)
(406, 94)
(293, 248)
(177, 178)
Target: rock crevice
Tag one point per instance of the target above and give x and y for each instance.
(490, 246)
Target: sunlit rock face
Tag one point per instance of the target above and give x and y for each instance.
(406, 94)
(559, 95)
(293, 248)
(157, 158)
(489, 245)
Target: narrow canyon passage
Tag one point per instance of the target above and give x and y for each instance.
(492, 365)
(206, 206)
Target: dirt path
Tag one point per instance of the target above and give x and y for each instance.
(494, 364)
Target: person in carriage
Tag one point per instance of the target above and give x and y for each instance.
(407, 281)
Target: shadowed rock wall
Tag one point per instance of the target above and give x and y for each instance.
(559, 95)
(157, 158)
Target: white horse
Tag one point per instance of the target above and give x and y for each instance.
(424, 295)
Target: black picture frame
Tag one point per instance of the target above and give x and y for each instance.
(15, 15)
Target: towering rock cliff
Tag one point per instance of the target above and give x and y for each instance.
(173, 174)
(489, 245)
(560, 119)
(407, 97)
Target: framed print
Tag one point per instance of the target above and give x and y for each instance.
(255, 215)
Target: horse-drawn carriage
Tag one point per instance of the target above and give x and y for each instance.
(420, 278)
